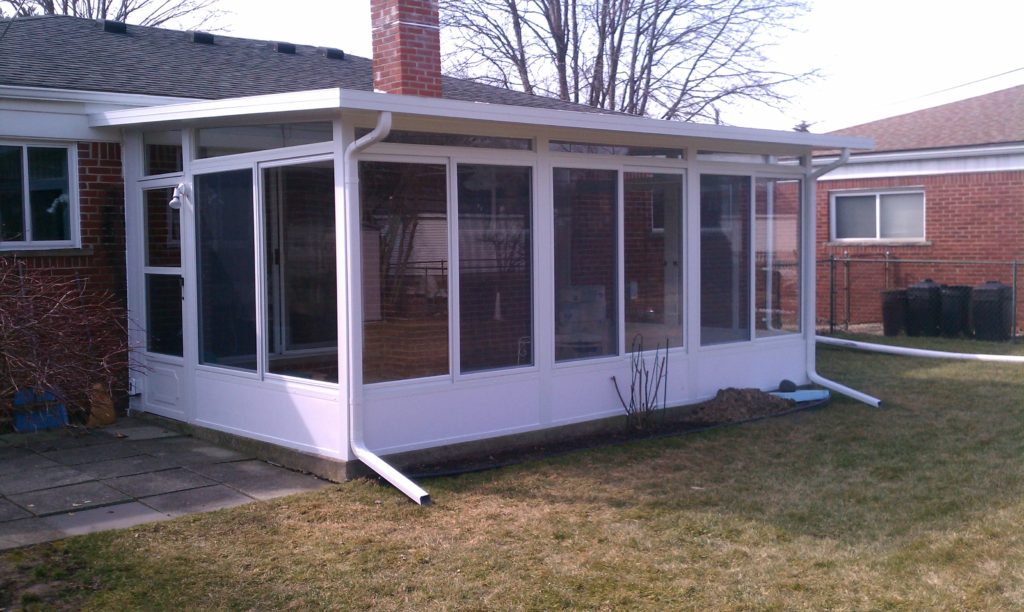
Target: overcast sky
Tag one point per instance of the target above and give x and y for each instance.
(878, 57)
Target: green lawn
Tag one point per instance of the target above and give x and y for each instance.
(918, 505)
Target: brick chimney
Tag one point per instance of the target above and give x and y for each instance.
(406, 47)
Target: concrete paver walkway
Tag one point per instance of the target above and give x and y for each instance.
(68, 482)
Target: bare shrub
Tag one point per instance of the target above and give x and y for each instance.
(646, 383)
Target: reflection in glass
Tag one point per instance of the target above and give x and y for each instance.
(404, 232)
(218, 141)
(162, 152)
(226, 269)
(653, 258)
(302, 307)
(855, 216)
(12, 198)
(163, 314)
(724, 259)
(585, 203)
(777, 256)
(163, 229)
(48, 191)
(495, 292)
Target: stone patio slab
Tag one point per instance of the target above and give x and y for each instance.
(139, 432)
(187, 451)
(26, 532)
(92, 454)
(26, 463)
(13, 452)
(119, 516)
(158, 483)
(192, 501)
(260, 479)
(68, 499)
(46, 478)
(127, 466)
(10, 512)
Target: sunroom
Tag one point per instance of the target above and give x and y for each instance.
(340, 271)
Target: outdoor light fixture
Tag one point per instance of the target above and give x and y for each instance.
(181, 192)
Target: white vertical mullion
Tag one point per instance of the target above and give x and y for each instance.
(454, 312)
(878, 216)
(543, 281)
(26, 198)
(189, 262)
(259, 267)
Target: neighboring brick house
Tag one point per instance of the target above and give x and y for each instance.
(943, 183)
(323, 254)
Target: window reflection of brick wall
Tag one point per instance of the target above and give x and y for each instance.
(779, 225)
(644, 256)
(163, 229)
(585, 212)
(163, 159)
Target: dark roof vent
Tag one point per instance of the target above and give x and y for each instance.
(283, 47)
(115, 27)
(332, 53)
(202, 38)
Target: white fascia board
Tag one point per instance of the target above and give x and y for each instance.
(926, 154)
(19, 92)
(338, 99)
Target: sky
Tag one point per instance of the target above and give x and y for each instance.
(877, 58)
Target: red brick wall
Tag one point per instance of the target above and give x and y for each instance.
(968, 216)
(406, 47)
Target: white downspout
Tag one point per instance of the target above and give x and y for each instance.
(809, 209)
(355, 370)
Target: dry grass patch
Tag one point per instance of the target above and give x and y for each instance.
(918, 505)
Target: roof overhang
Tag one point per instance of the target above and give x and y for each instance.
(329, 102)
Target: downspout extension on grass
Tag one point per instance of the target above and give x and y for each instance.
(914, 352)
(355, 396)
(809, 211)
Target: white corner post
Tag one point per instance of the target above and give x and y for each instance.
(809, 255)
(354, 321)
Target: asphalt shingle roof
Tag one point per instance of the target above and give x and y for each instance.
(73, 53)
(992, 118)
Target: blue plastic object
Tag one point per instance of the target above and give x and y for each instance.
(37, 411)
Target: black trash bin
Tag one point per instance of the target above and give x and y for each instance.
(894, 311)
(924, 308)
(956, 300)
(991, 311)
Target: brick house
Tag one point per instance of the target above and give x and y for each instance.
(340, 259)
(943, 183)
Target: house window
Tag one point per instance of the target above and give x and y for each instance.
(878, 216)
(37, 206)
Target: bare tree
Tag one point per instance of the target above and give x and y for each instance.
(672, 59)
(188, 13)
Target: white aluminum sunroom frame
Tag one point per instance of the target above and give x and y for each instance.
(342, 421)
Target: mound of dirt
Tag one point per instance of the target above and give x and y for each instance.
(735, 405)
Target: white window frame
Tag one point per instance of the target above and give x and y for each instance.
(877, 194)
(74, 215)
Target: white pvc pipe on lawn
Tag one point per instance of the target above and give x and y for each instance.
(913, 352)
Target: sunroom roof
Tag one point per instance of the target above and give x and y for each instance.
(327, 102)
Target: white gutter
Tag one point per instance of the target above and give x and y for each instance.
(913, 352)
(808, 252)
(355, 371)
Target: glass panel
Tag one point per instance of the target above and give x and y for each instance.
(163, 229)
(405, 270)
(163, 314)
(565, 146)
(163, 151)
(214, 142)
(902, 215)
(495, 291)
(302, 306)
(724, 259)
(777, 253)
(226, 269)
(48, 193)
(12, 197)
(586, 313)
(654, 258)
(453, 140)
(855, 216)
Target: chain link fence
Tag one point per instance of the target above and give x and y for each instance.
(920, 297)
